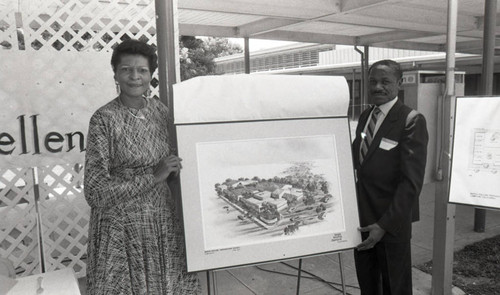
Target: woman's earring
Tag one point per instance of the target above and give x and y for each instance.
(118, 90)
(147, 93)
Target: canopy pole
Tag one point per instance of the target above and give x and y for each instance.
(167, 39)
(490, 8)
(365, 73)
(353, 91)
(444, 213)
(363, 81)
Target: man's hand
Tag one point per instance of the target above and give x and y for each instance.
(376, 233)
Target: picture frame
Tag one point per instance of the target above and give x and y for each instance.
(475, 163)
(262, 190)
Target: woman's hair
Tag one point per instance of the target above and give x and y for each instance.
(132, 46)
(391, 64)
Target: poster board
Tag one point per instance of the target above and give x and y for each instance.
(267, 168)
(475, 170)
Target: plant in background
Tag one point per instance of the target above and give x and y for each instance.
(197, 55)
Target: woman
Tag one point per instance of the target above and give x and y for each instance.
(135, 242)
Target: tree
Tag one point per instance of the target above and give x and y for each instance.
(269, 211)
(320, 208)
(197, 55)
(309, 198)
(290, 201)
(324, 187)
(311, 186)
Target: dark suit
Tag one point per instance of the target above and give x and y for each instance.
(389, 182)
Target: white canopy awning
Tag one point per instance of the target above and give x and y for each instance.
(403, 24)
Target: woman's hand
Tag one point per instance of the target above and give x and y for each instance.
(166, 166)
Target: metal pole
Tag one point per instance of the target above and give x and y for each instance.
(209, 291)
(342, 274)
(362, 82)
(298, 276)
(216, 290)
(36, 200)
(479, 220)
(247, 55)
(444, 213)
(365, 74)
(353, 96)
(487, 80)
(167, 38)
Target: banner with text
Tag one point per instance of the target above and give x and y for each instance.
(47, 99)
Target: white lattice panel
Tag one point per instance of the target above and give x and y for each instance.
(64, 216)
(76, 24)
(8, 30)
(57, 26)
(18, 221)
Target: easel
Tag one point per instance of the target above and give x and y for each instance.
(212, 277)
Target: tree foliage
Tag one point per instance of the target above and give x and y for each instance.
(197, 55)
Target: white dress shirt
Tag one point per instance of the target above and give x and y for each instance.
(384, 110)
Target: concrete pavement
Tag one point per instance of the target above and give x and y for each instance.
(321, 274)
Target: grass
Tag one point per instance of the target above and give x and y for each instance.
(476, 268)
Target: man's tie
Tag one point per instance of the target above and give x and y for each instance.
(370, 132)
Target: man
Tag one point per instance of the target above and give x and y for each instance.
(389, 153)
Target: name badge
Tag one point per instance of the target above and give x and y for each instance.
(387, 144)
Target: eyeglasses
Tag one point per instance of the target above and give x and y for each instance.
(130, 70)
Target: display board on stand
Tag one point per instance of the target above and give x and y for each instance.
(267, 168)
(475, 170)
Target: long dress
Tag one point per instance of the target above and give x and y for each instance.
(135, 241)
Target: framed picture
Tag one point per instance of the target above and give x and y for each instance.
(475, 167)
(255, 191)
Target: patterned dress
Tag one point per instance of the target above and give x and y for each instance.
(135, 242)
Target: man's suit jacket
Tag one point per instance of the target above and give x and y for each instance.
(391, 176)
